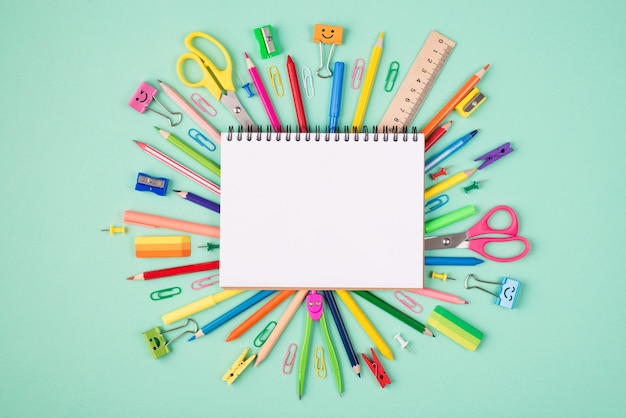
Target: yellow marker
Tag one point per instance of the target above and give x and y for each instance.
(447, 183)
(199, 305)
(365, 324)
(364, 98)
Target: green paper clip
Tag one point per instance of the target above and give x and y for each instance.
(165, 293)
(392, 75)
(267, 45)
(264, 334)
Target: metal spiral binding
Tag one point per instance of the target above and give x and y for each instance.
(288, 134)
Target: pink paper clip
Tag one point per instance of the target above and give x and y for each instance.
(204, 282)
(201, 102)
(357, 73)
(142, 98)
(407, 301)
(290, 358)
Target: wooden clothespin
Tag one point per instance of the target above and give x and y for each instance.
(238, 367)
(377, 369)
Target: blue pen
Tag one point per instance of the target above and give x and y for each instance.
(452, 261)
(222, 319)
(451, 149)
(335, 96)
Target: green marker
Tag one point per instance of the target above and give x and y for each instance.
(450, 218)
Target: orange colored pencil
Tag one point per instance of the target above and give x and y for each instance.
(255, 317)
(445, 111)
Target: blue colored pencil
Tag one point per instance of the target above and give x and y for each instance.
(222, 319)
(343, 333)
(452, 261)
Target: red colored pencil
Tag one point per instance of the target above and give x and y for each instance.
(173, 271)
(436, 136)
(295, 92)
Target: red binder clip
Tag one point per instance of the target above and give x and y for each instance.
(377, 369)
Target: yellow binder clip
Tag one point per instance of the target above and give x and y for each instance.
(238, 367)
(470, 102)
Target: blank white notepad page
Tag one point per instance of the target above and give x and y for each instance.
(337, 214)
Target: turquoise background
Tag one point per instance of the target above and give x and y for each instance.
(72, 324)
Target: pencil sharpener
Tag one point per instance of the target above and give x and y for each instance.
(470, 103)
(156, 185)
(267, 42)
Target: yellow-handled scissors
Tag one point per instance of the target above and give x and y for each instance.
(218, 81)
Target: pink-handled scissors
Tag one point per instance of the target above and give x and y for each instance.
(472, 238)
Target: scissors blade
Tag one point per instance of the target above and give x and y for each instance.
(444, 241)
(231, 101)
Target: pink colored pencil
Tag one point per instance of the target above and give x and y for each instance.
(437, 294)
(265, 99)
(179, 167)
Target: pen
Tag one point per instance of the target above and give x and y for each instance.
(292, 72)
(190, 174)
(436, 136)
(174, 271)
(343, 333)
(280, 326)
(447, 183)
(155, 221)
(395, 312)
(199, 305)
(215, 207)
(189, 110)
(448, 107)
(365, 324)
(265, 99)
(255, 317)
(372, 67)
(452, 261)
(450, 149)
(181, 145)
(335, 97)
(228, 315)
(437, 294)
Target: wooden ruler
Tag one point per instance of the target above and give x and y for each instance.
(418, 81)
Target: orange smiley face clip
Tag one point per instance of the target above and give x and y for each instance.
(325, 34)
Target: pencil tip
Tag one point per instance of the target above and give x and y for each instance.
(193, 337)
(131, 278)
(359, 374)
(466, 302)
(245, 54)
(486, 66)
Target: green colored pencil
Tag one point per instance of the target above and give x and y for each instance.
(180, 144)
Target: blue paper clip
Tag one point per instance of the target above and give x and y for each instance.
(156, 185)
(435, 203)
(494, 155)
(199, 137)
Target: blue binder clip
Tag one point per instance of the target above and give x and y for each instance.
(156, 185)
(507, 291)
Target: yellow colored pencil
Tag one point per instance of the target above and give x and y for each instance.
(365, 324)
(366, 90)
(199, 305)
(447, 183)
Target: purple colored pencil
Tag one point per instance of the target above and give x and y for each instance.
(215, 207)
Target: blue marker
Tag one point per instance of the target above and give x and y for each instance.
(335, 97)
(451, 149)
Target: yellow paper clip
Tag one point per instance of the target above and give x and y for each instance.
(320, 363)
(290, 358)
(470, 102)
(277, 83)
(307, 82)
(238, 367)
(264, 334)
(357, 73)
(392, 75)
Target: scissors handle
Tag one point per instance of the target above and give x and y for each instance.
(482, 227)
(479, 245)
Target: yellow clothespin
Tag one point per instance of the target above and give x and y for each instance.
(238, 367)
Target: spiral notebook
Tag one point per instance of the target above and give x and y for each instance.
(322, 211)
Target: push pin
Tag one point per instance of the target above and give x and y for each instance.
(209, 246)
(440, 173)
(403, 342)
(115, 230)
(474, 185)
(246, 86)
(441, 276)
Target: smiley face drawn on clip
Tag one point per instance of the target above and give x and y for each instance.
(328, 34)
(142, 97)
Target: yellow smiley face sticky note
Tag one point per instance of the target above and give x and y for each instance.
(327, 34)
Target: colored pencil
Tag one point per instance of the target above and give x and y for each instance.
(451, 181)
(174, 271)
(198, 200)
(153, 152)
(280, 326)
(366, 90)
(343, 333)
(265, 98)
(184, 147)
(256, 317)
(395, 312)
(448, 107)
(438, 294)
(292, 72)
(436, 136)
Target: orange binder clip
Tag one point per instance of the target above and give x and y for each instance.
(377, 369)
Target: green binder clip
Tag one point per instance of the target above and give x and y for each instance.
(157, 343)
(265, 37)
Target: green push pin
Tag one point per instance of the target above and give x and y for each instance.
(209, 246)
(474, 185)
